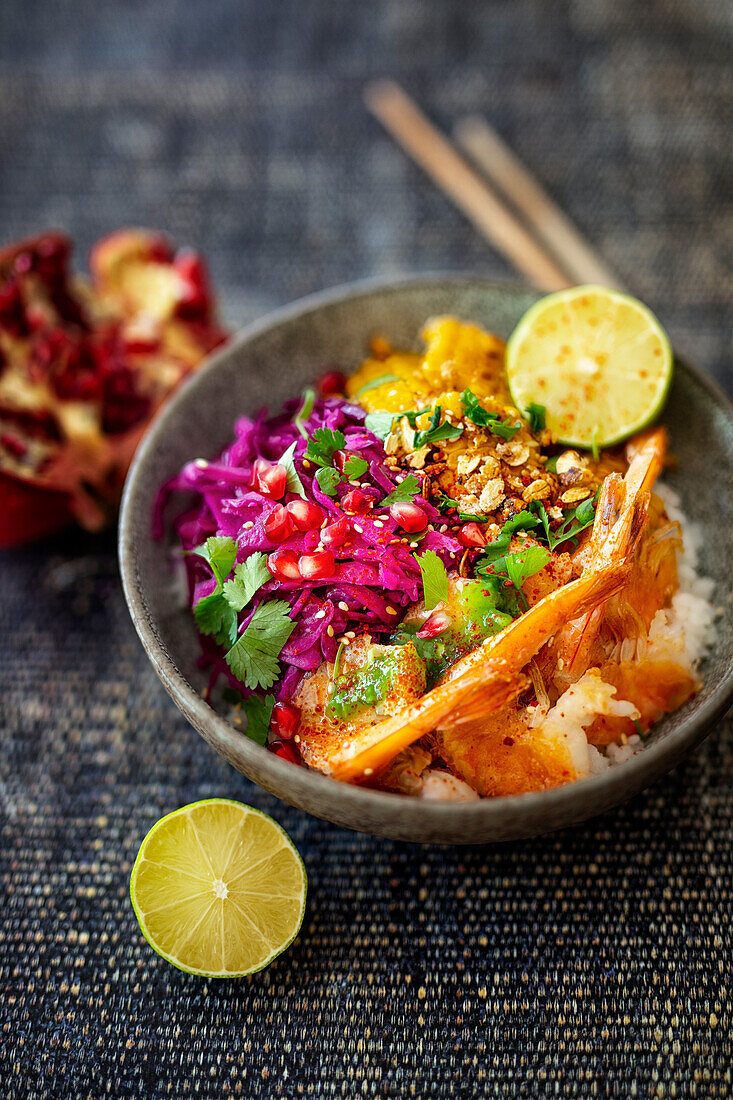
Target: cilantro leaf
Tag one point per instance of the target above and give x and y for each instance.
(523, 564)
(249, 576)
(322, 445)
(482, 418)
(434, 578)
(214, 615)
(328, 479)
(303, 413)
(254, 656)
(379, 424)
(258, 712)
(374, 383)
(294, 484)
(408, 488)
(493, 551)
(445, 503)
(551, 464)
(436, 431)
(575, 521)
(536, 416)
(354, 467)
(220, 551)
(412, 415)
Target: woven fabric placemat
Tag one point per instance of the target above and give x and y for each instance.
(595, 962)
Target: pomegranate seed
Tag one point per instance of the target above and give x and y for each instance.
(336, 533)
(305, 515)
(410, 517)
(278, 524)
(285, 750)
(283, 564)
(269, 478)
(357, 504)
(14, 446)
(332, 382)
(471, 535)
(436, 624)
(317, 566)
(284, 720)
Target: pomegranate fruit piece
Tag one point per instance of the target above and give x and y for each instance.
(305, 515)
(356, 503)
(410, 517)
(269, 478)
(284, 720)
(317, 566)
(434, 625)
(278, 524)
(471, 535)
(283, 564)
(331, 384)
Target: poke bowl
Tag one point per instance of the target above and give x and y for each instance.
(274, 361)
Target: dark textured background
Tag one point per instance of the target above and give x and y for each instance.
(594, 962)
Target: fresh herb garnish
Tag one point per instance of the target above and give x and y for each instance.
(213, 613)
(354, 467)
(380, 424)
(258, 712)
(374, 383)
(328, 480)
(482, 418)
(575, 521)
(446, 504)
(249, 576)
(551, 464)
(407, 489)
(504, 577)
(436, 431)
(434, 578)
(254, 656)
(294, 484)
(322, 445)
(523, 521)
(536, 415)
(303, 413)
(412, 415)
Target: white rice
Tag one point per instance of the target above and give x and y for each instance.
(685, 631)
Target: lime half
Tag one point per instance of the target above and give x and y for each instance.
(218, 888)
(597, 360)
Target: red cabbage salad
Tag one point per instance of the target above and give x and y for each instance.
(302, 536)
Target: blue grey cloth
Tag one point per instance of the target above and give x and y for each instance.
(593, 962)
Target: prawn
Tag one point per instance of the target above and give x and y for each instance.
(621, 517)
(481, 682)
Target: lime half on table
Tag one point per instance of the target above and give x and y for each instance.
(218, 888)
(597, 360)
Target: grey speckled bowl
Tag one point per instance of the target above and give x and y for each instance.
(270, 361)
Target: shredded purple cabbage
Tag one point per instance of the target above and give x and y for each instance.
(375, 572)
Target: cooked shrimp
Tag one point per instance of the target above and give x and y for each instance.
(621, 516)
(478, 684)
(516, 751)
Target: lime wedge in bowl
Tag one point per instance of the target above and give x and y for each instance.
(597, 360)
(218, 889)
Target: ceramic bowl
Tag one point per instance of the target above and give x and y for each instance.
(272, 360)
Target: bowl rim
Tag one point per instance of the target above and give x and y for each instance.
(602, 790)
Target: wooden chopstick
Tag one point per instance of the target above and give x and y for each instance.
(494, 157)
(471, 194)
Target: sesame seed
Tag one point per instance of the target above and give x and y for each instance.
(297, 739)
(413, 545)
(378, 523)
(329, 631)
(391, 611)
(350, 634)
(343, 605)
(248, 525)
(443, 528)
(368, 771)
(201, 463)
(358, 528)
(320, 614)
(345, 640)
(306, 463)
